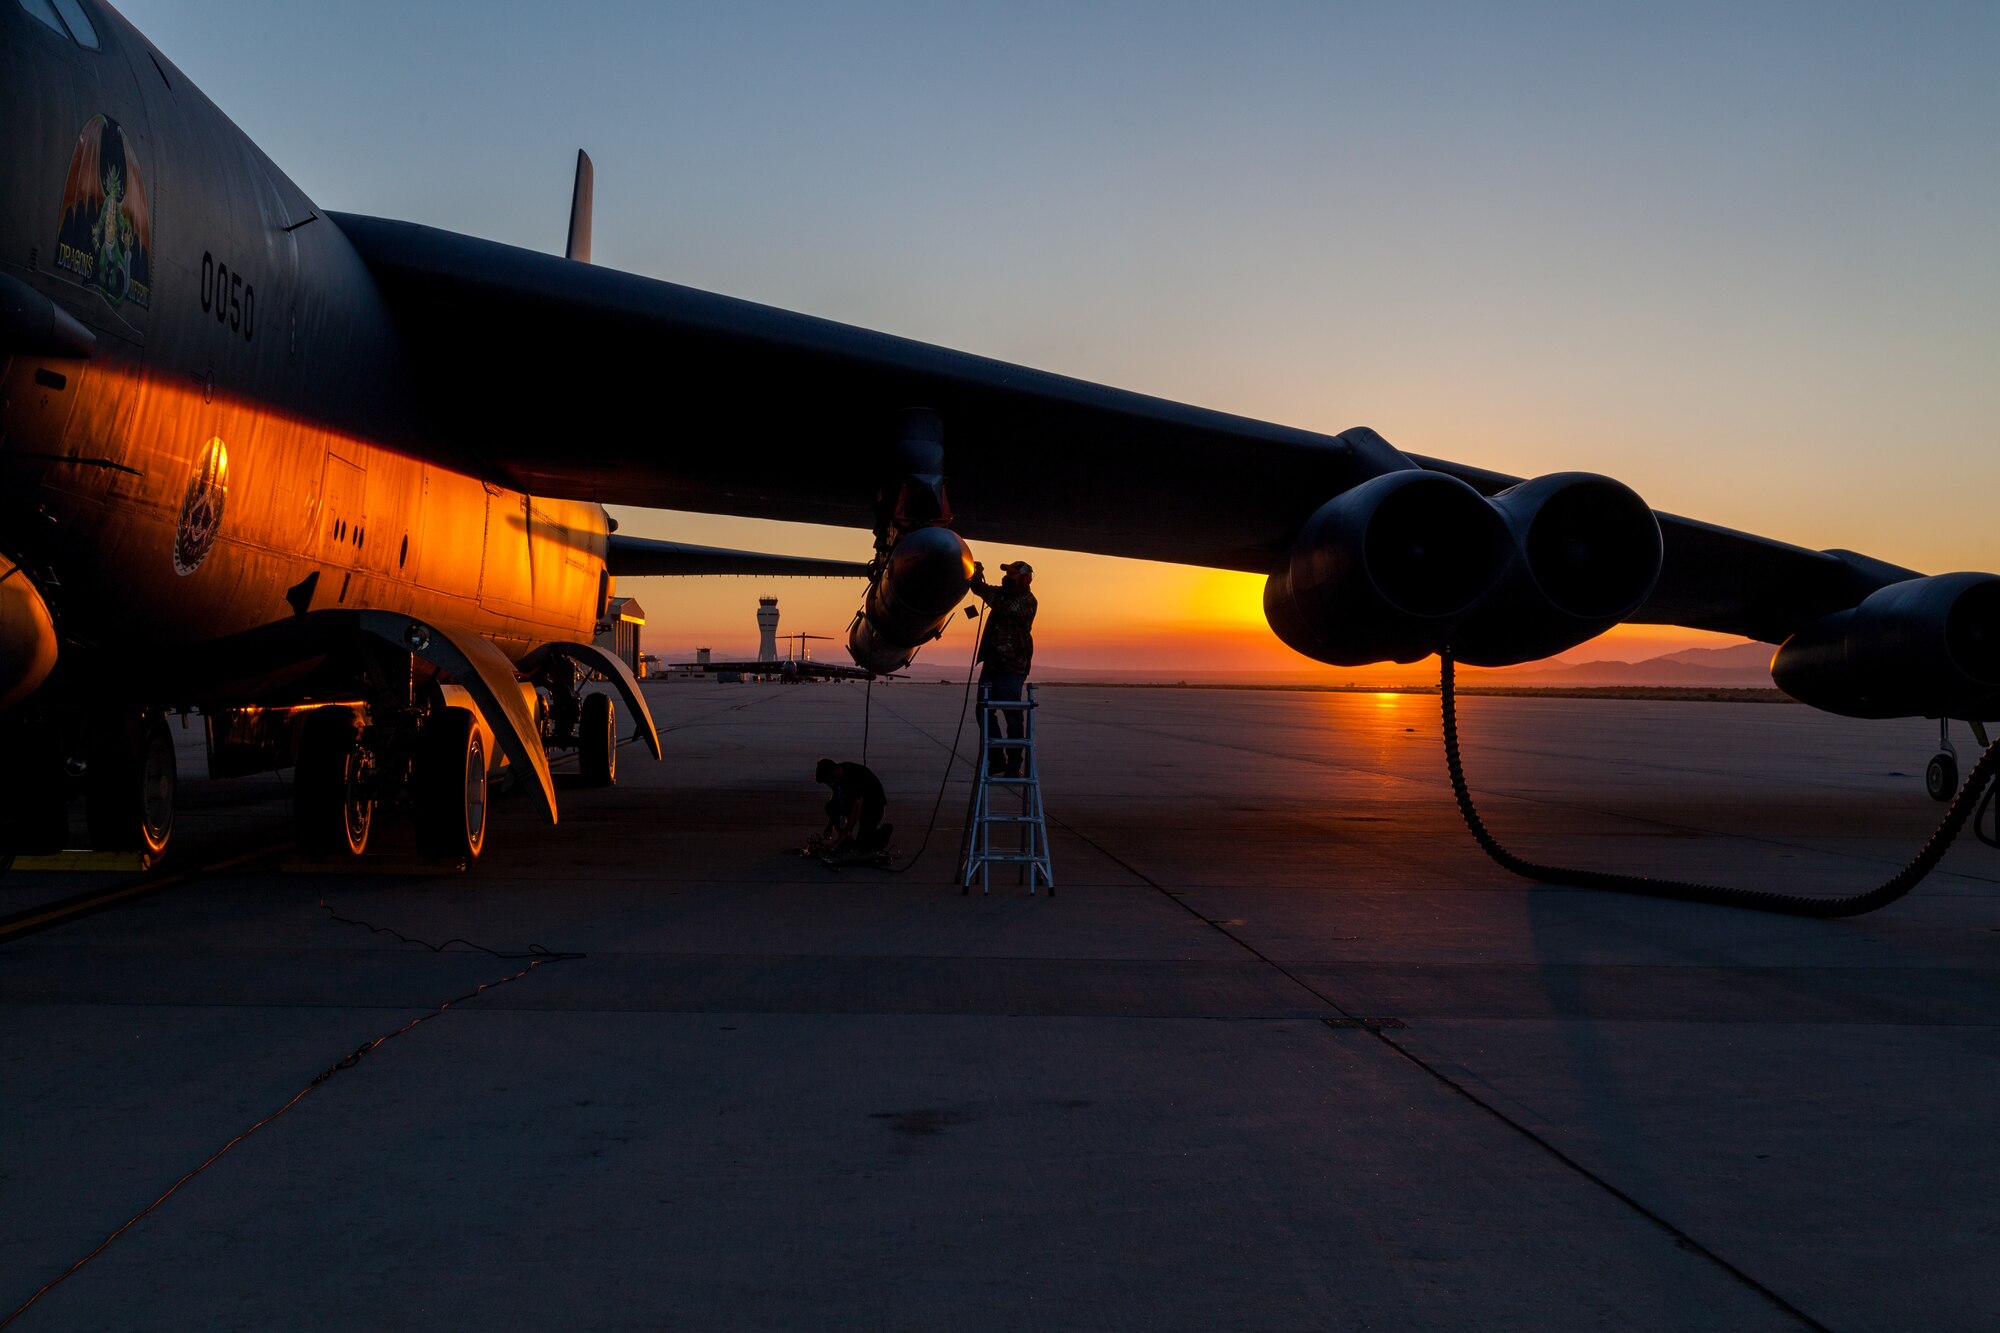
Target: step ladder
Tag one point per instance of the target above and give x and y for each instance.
(994, 804)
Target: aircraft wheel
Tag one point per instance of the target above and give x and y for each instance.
(597, 741)
(1941, 778)
(332, 803)
(130, 786)
(448, 787)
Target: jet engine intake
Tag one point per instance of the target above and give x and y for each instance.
(1386, 570)
(1926, 647)
(1587, 554)
(27, 636)
(921, 583)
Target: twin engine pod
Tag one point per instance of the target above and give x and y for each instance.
(1926, 647)
(911, 600)
(1412, 561)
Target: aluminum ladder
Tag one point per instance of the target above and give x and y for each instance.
(1029, 848)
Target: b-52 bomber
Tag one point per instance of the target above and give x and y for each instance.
(336, 482)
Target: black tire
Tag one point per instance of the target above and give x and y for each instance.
(448, 787)
(332, 808)
(1941, 778)
(597, 741)
(130, 786)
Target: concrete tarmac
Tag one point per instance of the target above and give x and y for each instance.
(1284, 1052)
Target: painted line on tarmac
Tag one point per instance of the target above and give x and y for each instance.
(95, 900)
(1380, 1029)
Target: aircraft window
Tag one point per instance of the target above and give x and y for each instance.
(42, 10)
(79, 23)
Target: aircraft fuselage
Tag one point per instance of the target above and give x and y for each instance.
(244, 442)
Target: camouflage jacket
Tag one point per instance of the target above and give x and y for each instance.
(1008, 645)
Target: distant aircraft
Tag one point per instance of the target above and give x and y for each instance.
(337, 482)
(795, 666)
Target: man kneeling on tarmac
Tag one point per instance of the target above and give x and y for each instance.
(854, 815)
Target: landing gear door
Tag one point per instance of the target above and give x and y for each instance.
(622, 679)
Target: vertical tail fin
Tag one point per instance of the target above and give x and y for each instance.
(579, 210)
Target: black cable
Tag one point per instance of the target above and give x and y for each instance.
(1962, 805)
(978, 631)
(535, 951)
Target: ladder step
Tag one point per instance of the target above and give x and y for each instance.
(1032, 847)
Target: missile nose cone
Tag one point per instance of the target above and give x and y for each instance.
(27, 636)
(930, 570)
(911, 601)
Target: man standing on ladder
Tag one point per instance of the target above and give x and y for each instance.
(1006, 652)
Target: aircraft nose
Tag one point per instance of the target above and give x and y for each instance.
(27, 636)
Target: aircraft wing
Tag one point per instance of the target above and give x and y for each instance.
(642, 556)
(627, 390)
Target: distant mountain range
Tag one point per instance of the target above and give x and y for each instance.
(1736, 667)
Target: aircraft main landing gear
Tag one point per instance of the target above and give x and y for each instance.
(597, 741)
(448, 786)
(571, 719)
(333, 794)
(130, 785)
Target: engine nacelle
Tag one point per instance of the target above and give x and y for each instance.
(1385, 571)
(922, 583)
(27, 636)
(1587, 554)
(1925, 647)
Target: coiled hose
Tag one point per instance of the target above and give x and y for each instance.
(1759, 900)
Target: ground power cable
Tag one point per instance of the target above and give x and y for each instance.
(957, 733)
(1377, 1028)
(536, 955)
(1979, 820)
(1974, 794)
(540, 953)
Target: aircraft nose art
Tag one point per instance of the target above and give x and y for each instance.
(27, 636)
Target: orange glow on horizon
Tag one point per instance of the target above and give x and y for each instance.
(1098, 613)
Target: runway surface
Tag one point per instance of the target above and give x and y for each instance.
(1285, 1051)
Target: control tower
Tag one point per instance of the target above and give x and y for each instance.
(767, 629)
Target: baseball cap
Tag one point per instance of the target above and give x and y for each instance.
(1021, 565)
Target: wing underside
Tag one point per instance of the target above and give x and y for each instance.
(641, 556)
(647, 393)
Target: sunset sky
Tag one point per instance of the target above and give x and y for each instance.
(1741, 256)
